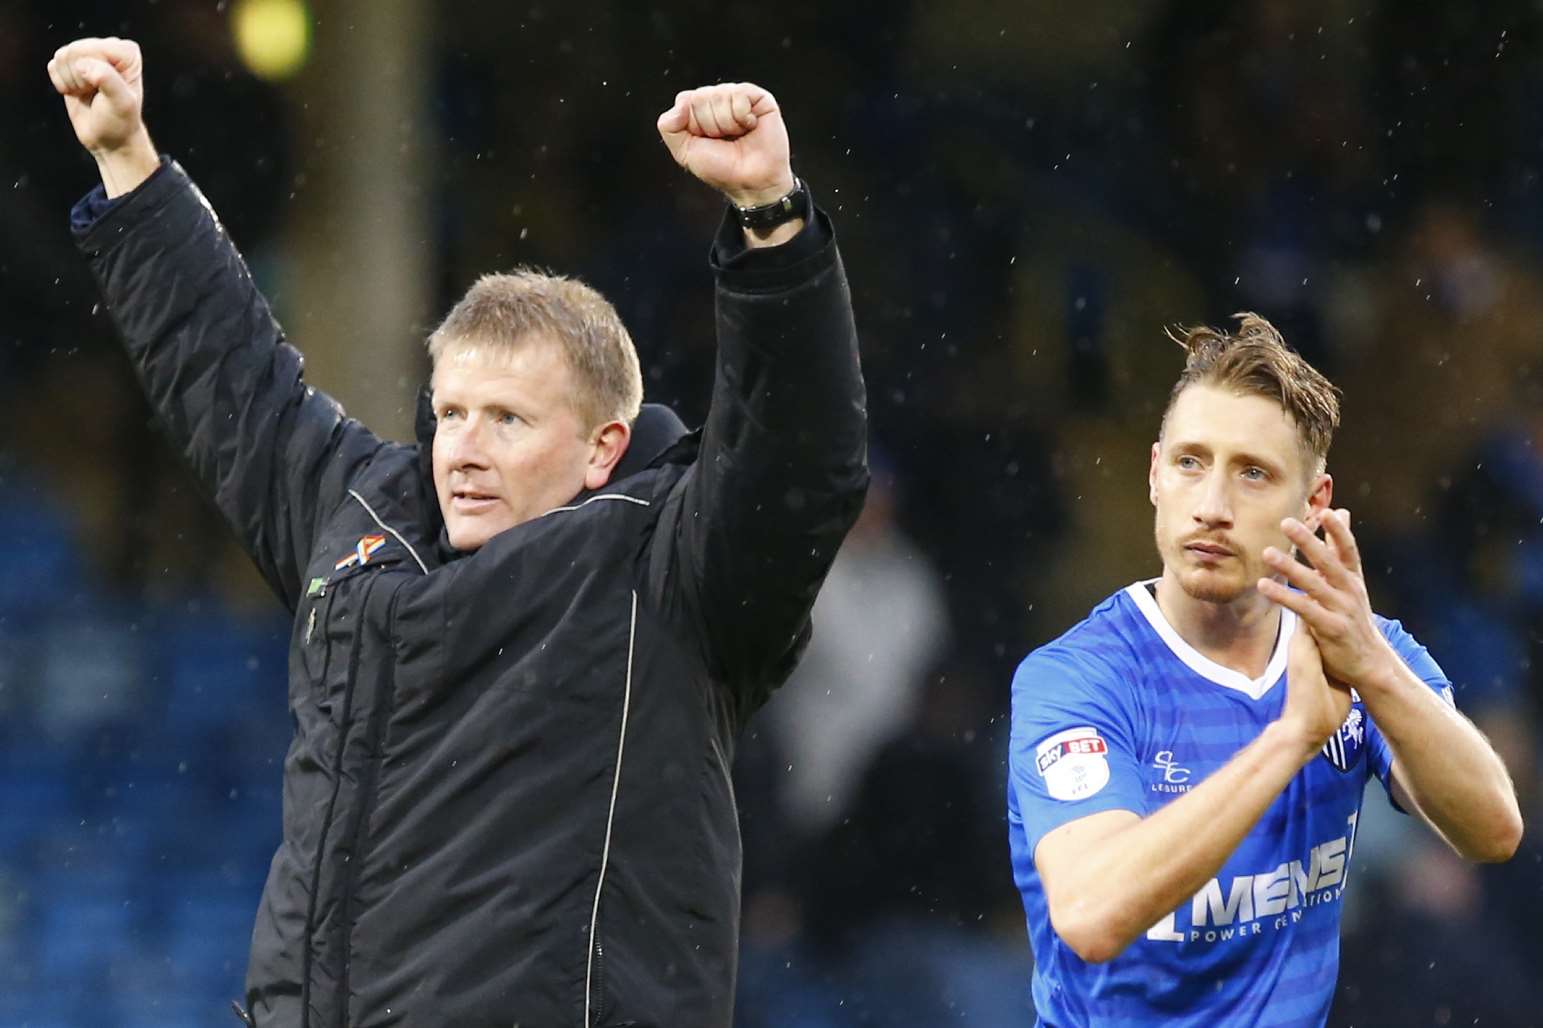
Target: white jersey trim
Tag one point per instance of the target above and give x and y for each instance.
(1253, 688)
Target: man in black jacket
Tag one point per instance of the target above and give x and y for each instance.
(523, 647)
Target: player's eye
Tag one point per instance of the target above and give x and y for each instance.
(505, 417)
(1188, 462)
(1255, 474)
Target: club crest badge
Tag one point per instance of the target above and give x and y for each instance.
(1344, 747)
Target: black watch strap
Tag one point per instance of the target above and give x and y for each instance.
(769, 215)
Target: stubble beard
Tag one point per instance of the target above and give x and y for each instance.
(1210, 586)
(1207, 585)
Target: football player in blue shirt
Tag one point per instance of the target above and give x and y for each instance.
(1187, 764)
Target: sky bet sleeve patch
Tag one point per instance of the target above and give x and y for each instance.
(1073, 763)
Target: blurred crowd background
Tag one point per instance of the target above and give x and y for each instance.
(1026, 194)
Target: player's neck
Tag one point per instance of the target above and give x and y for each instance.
(1240, 634)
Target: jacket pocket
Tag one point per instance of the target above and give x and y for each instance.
(332, 612)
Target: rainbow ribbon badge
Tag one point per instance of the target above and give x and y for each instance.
(363, 550)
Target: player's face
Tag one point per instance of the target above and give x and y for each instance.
(508, 444)
(1226, 471)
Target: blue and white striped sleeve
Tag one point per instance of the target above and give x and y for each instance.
(1073, 748)
(1419, 660)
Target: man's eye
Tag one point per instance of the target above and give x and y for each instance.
(1188, 463)
(1257, 474)
(508, 418)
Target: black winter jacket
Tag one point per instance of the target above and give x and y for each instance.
(507, 800)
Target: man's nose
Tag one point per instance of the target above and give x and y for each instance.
(1215, 506)
(466, 449)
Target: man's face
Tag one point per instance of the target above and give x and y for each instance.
(1226, 471)
(508, 444)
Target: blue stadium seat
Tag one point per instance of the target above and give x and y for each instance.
(85, 925)
(219, 669)
(209, 932)
(42, 566)
(30, 803)
(92, 669)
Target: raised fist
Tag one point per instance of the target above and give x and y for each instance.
(102, 82)
(732, 137)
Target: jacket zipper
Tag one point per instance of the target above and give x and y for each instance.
(595, 1008)
(326, 619)
(601, 1009)
(337, 784)
(365, 808)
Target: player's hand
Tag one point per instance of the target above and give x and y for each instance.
(732, 137)
(103, 85)
(1333, 601)
(1315, 704)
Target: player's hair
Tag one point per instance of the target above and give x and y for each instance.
(1255, 361)
(511, 309)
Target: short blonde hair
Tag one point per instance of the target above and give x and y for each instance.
(508, 309)
(1255, 361)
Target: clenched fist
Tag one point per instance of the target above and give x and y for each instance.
(102, 82)
(731, 137)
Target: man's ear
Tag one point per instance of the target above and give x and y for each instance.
(610, 442)
(1318, 499)
(1152, 473)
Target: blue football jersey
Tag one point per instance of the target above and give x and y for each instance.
(1120, 713)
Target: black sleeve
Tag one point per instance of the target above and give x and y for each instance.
(274, 454)
(751, 530)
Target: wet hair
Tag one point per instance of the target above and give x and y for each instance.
(1255, 361)
(508, 310)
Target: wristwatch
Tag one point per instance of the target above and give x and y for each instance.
(766, 216)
